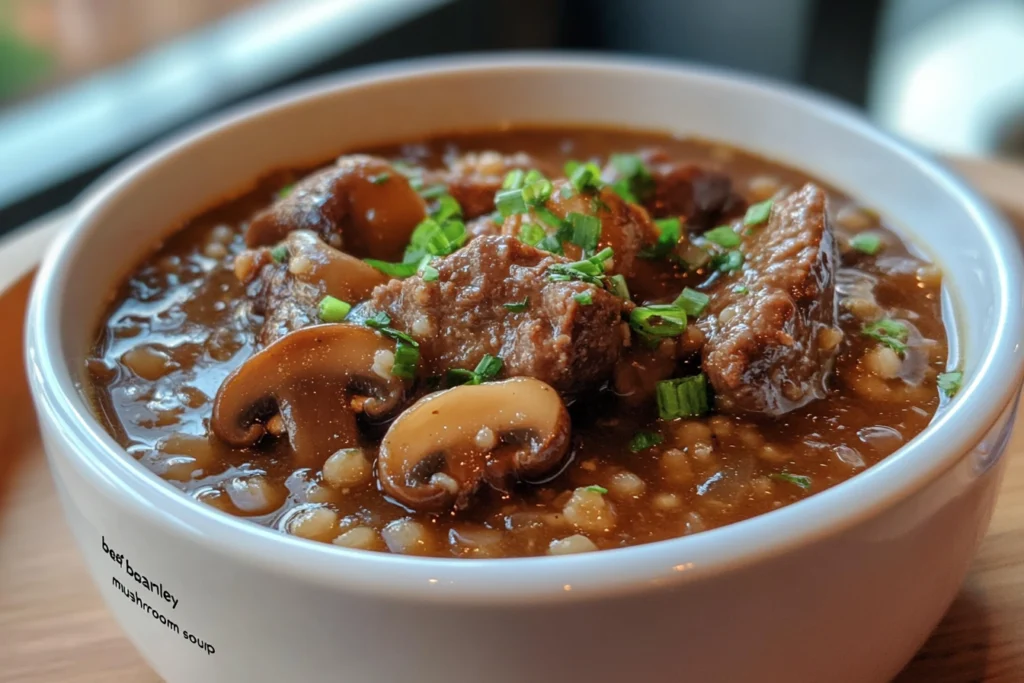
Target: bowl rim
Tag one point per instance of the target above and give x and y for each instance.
(953, 432)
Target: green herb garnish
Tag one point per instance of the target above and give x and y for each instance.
(407, 358)
(728, 261)
(590, 270)
(892, 333)
(583, 298)
(617, 286)
(279, 253)
(758, 213)
(949, 382)
(740, 289)
(800, 480)
(531, 233)
(332, 310)
(866, 243)
(669, 231)
(643, 440)
(396, 270)
(487, 369)
(518, 306)
(682, 397)
(285, 191)
(586, 231)
(723, 236)
(658, 320)
(692, 301)
(597, 489)
(380, 178)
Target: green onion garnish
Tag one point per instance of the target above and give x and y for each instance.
(583, 176)
(758, 213)
(285, 191)
(434, 191)
(381, 322)
(597, 489)
(728, 261)
(447, 207)
(586, 231)
(426, 271)
(892, 333)
(332, 310)
(279, 253)
(669, 231)
(692, 301)
(407, 358)
(740, 289)
(800, 480)
(949, 382)
(723, 236)
(380, 178)
(489, 367)
(518, 306)
(867, 243)
(658, 320)
(437, 236)
(514, 179)
(590, 270)
(531, 233)
(583, 298)
(643, 440)
(552, 244)
(537, 192)
(682, 397)
(636, 183)
(617, 286)
(548, 218)
(397, 270)
(510, 202)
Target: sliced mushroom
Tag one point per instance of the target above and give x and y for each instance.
(437, 453)
(346, 277)
(308, 377)
(361, 204)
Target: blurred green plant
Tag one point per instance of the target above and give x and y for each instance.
(22, 64)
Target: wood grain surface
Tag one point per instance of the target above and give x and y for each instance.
(54, 628)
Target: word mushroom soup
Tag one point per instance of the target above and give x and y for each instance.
(522, 343)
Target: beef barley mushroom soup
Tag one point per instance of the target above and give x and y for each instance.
(523, 342)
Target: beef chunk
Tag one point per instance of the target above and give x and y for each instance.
(702, 196)
(462, 316)
(361, 203)
(771, 347)
(625, 227)
(287, 292)
(474, 178)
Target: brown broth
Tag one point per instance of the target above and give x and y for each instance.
(181, 323)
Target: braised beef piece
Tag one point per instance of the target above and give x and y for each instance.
(464, 314)
(702, 196)
(285, 303)
(625, 227)
(361, 204)
(474, 178)
(772, 332)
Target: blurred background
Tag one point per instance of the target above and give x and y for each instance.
(85, 82)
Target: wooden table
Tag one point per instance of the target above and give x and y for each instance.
(53, 626)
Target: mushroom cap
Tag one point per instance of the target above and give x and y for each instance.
(361, 203)
(334, 272)
(307, 377)
(442, 434)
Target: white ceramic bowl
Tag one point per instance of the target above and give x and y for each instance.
(844, 586)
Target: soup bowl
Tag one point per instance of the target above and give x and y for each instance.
(843, 586)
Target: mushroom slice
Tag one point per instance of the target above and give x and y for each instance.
(362, 204)
(437, 452)
(337, 273)
(308, 377)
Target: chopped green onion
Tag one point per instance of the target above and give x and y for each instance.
(636, 183)
(583, 176)
(407, 358)
(332, 310)
(586, 231)
(892, 333)
(629, 165)
(285, 191)
(867, 243)
(949, 382)
(692, 301)
(740, 289)
(489, 367)
(758, 213)
(426, 271)
(728, 261)
(397, 270)
(567, 191)
(597, 489)
(643, 440)
(447, 208)
(531, 233)
(590, 270)
(552, 244)
(537, 192)
(434, 191)
(800, 480)
(583, 298)
(437, 237)
(518, 306)
(621, 187)
(548, 218)
(514, 179)
(723, 236)
(279, 253)
(669, 231)
(457, 376)
(658, 320)
(510, 202)
(380, 321)
(380, 178)
(682, 397)
(617, 286)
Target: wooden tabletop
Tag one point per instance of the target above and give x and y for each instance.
(54, 628)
